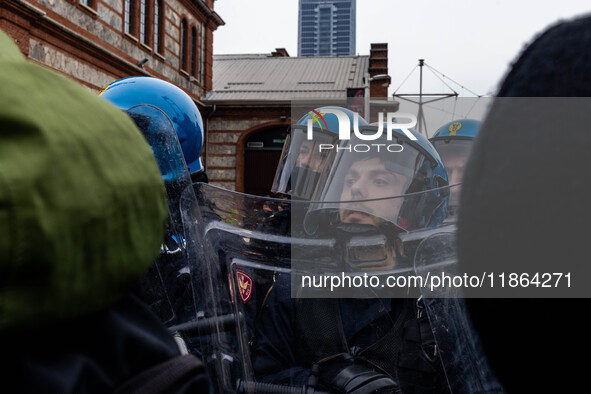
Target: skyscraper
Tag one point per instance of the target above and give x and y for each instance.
(326, 27)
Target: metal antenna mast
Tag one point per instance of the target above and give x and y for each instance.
(421, 123)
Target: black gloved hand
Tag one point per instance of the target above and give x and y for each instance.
(347, 375)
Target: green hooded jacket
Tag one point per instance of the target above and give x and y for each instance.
(82, 202)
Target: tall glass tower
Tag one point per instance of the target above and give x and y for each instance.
(326, 27)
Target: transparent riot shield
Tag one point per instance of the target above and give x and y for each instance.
(259, 329)
(461, 354)
(237, 258)
(167, 287)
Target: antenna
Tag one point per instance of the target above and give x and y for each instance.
(421, 122)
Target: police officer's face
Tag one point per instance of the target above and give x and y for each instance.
(309, 157)
(455, 169)
(369, 179)
(455, 173)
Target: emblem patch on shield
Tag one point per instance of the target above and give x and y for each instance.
(245, 285)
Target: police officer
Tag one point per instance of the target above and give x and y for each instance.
(146, 98)
(378, 344)
(454, 141)
(308, 148)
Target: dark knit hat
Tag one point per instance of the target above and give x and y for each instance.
(525, 208)
(526, 190)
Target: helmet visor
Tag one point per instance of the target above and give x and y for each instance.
(371, 183)
(166, 287)
(302, 161)
(454, 153)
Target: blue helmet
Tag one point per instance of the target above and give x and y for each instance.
(327, 118)
(461, 128)
(303, 157)
(174, 102)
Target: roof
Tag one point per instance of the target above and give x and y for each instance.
(265, 78)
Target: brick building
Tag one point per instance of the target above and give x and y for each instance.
(98, 41)
(249, 106)
(245, 100)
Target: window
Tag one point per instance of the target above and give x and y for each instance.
(128, 24)
(201, 54)
(193, 50)
(144, 22)
(88, 6)
(184, 44)
(158, 25)
(145, 19)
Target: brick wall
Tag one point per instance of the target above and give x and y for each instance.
(378, 65)
(88, 44)
(228, 130)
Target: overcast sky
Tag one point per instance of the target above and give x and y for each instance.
(472, 42)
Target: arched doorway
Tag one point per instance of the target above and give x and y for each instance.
(262, 151)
